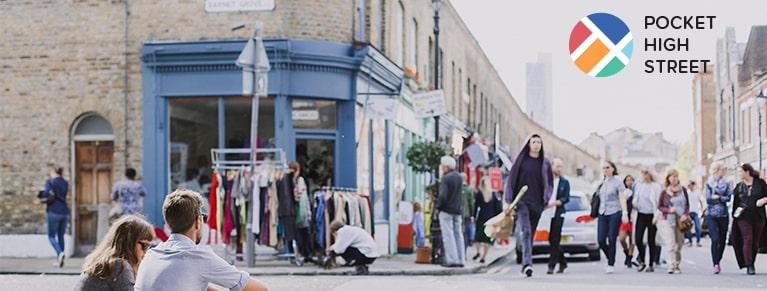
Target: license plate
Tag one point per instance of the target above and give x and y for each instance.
(566, 238)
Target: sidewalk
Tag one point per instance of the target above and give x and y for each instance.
(392, 265)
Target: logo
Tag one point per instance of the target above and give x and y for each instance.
(601, 45)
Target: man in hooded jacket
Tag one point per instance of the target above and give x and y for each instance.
(533, 169)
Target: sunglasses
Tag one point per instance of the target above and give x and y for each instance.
(204, 217)
(145, 245)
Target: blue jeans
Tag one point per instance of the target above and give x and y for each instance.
(696, 221)
(527, 223)
(452, 238)
(471, 230)
(717, 231)
(57, 226)
(607, 234)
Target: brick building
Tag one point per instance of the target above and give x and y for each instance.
(97, 86)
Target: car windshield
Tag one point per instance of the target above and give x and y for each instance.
(576, 204)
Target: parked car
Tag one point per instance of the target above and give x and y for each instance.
(579, 232)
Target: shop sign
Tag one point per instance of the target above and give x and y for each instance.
(496, 182)
(238, 5)
(306, 115)
(381, 108)
(429, 104)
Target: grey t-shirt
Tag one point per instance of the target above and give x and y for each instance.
(609, 196)
(121, 280)
(180, 264)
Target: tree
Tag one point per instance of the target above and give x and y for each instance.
(425, 156)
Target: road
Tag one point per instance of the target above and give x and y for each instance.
(582, 275)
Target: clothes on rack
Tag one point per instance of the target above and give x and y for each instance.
(213, 215)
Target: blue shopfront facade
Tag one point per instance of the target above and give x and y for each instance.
(192, 101)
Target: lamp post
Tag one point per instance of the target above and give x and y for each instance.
(436, 232)
(437, 4)
(760, 100)
(255, 68)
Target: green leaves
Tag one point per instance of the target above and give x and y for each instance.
(425, 156)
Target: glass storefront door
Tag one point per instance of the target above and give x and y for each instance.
(317, 159)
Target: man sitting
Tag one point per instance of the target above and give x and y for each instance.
(353, 244)
(179, 263)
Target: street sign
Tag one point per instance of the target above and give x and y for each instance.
(381, 107)
(238, 5)
(429, 104)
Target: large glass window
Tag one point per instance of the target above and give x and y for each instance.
(193, 132)
(316, 157)
(237, 122)
(314, 114)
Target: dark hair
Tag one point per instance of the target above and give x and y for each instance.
(181, 209)
(615, 170)
(59, 171)
(416, 207)
(130, 173)
(750, 169)
(626, 179)
(119, 243)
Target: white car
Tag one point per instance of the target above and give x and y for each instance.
(579, 232)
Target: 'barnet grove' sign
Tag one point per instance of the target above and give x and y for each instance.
(238, 5)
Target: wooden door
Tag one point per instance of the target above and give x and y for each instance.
(93, 178)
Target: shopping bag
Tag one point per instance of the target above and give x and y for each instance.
(501, 226)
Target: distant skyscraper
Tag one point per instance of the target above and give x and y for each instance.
(539, 91)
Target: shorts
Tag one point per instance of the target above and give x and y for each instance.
(625, 227)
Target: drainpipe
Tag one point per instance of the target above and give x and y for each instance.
(125, 84)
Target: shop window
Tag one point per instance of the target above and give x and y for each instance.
(314, 114)
(193, 132)
(237, 115)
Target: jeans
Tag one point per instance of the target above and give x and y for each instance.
(452, 238)
(607, 234)
(696, 222)
(470, 229)
(57, 226)
(644, 223)
(717, 231)
(751, 232)
(527, 222)
(555, 247)
(354, 257)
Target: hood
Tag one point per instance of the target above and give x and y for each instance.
(524, 152)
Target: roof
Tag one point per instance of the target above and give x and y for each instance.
(755, 55)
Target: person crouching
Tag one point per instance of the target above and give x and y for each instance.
(353, 244)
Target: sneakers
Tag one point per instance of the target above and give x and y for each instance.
(61, 260)
(550, 271)
(609, 270)
(699, 245)
(717, 269)
(641, 267)
(650, 269)
(527, 271)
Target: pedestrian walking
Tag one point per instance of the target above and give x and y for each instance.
(612, 212)
(469, 227)
(180, 263)
(488, 206)
(54, 196)
(624, 232)
(697, 204)
(749, 198)
(675, 213)
(558, 202)
(718, 193)
(531, 168)
(645, 201)
(115, 261)
(128, 194)
(450, 204)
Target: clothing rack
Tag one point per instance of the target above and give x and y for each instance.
(327, 188)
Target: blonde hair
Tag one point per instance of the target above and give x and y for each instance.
(715, 166)
(119, 243)
(669, 173)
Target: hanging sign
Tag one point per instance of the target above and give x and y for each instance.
(381, 108)
(429, 104)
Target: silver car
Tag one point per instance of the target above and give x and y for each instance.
(579, 232)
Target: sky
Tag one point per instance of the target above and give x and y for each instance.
(512, 33)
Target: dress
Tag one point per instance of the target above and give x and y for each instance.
(485, 211)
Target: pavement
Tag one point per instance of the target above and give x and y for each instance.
(391, 265)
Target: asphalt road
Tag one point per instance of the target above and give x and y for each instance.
(582, 275)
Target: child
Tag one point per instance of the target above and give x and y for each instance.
(418, 225)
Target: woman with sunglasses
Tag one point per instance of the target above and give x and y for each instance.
(115, 261)
(612, 212)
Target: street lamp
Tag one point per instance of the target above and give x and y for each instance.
(760, 100)
(436, 232)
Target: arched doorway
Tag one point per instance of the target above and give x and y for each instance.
(92, 151)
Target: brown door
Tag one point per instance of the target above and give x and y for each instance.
(93, 176)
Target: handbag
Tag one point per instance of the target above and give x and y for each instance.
(684, 225)
(595, 203)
